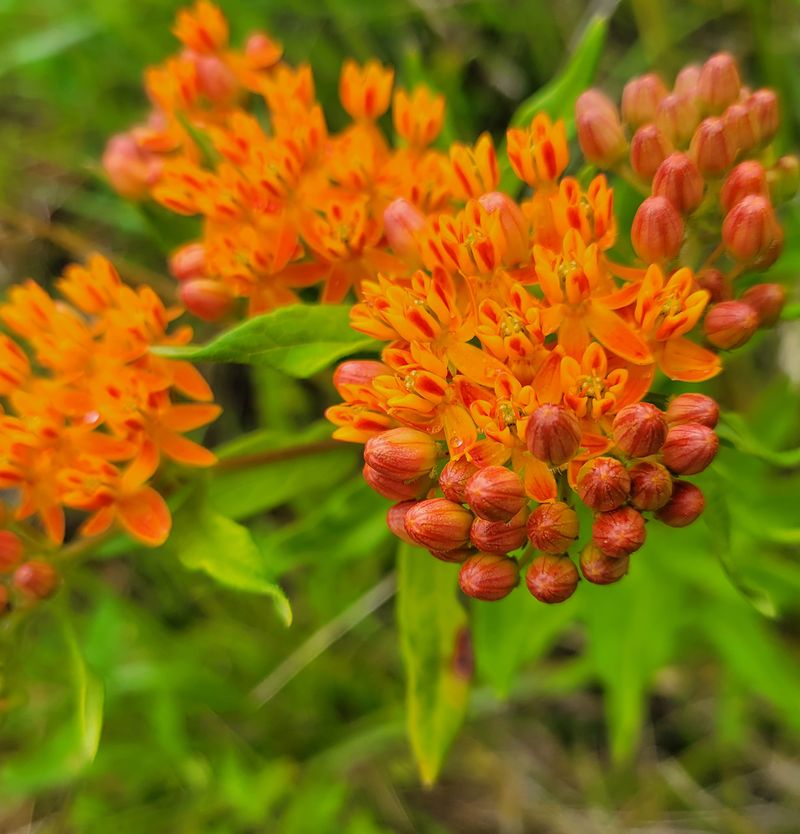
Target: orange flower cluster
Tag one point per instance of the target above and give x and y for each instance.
(290, 205)
(518, 357)
(88, 412)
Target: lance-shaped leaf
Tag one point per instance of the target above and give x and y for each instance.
(298, 340)
(434, 640)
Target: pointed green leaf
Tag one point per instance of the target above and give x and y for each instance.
(298, 340)
(432, 627)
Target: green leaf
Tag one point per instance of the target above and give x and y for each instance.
(432, 624)
(72, 745)
(733, 428)
(298, 340)
(791, 312)
(514, 631)
(207, 541)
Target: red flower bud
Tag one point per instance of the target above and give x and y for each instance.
(651, 486)
(355, 374)
(730, 324)
(751, 231)
(553, 434)
(515, 226)
(11, 550)
(619, 532)
(402, 454)
(453, 556)
(552, 578)
(784, 179)
(603, 484)
(600, 569)
(715, 283)
(188, 262)
(261, 51)
(394, 489)
(685, 506)
(131, 170)
(641, 97)
(687, 80)
(453, 479)
(553, 527)
(767, 300)
(677, 117)
(205, 298)
(639, 430)
(439, 524)
(495, 493)
(719, 83)
(36, 579)
(678, 180)
(740, 123)
(746, 179)
(764, 104)
(500, 536)
(712, 147)
(401, 221)
(488, 576)
(690, 448)
(693, 408)
(396, 520)
(657, 231)
(600, 133)
(215, 80)
(649, 148)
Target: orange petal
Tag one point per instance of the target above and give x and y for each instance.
(475, 363)
(539, 481)
(142, 467)
(684, 360)
(573, 336)
(188, 380)
(640, 378)
(98, 523)
(145, 515)
(53, 520)
(609, 329)
(489, 453)
(183, 450)
(189, 416)
(459, 430)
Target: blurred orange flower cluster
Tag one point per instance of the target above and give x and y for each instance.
(291, 205)
(89, 412)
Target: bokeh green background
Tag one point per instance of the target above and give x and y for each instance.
(669, 703)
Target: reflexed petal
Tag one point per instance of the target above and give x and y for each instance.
(573, 336)
(459, 430)
(190, 416)
(183, 450)
(145, 515)
(475, 364)
(684, 360)
(609, 329)
(540, 484)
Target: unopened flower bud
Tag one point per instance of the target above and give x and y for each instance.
(396, 520)
(740, 123)
(551, 578)
(457, 556)
(678, 180)
(784, 179)
(553, 434)
(719, 83)
(403, 454)
(651, 486)
(553, 527)
(685, 506)
(600, 133)
(764, 104)
(453, 479)
(261, 51)
(488, 576)
(690, 448)
(36, 579)
(619, 532)
(693, 408)
(393, 488)
(730, 324)
(639, 429)
(357, 373)
(767, 300)
(516, 228)
(641, 97)
(715, 283)
(131, 170)
(215, 80)
(712, 147)
(401, 222)
(600, 569)
(603, 484)
(687, 80)
(11, 550)
(746, 179)
(677, 117)
(751, 231)
(649, 148)
(500, 536)
(439, 524)
(495, 493)
(205, 298)
(657, 231)
(188, 262)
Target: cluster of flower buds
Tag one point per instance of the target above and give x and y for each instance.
(88, 413)
(292, 204)
(703, 151)
(24, 581)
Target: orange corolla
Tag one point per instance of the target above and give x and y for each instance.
(538, 154)
(591, 390)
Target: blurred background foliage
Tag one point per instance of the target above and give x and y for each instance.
(151, 698)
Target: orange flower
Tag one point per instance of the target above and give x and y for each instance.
(538, 154)
(365, 91)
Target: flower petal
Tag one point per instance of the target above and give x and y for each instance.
(684, 360)
(609, 329)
